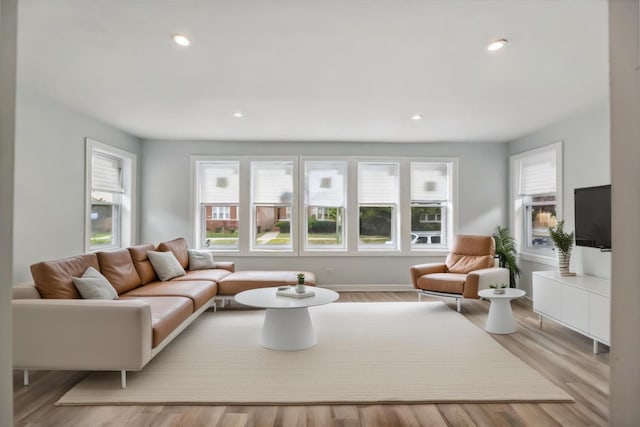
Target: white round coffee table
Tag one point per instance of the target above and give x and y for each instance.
(500, 319)
(287, 324)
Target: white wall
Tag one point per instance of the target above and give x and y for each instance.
(586, 164)
(8, 30)
(166, 199)
(624, 18)
(50, 178)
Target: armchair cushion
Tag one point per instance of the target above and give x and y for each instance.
(443, 282)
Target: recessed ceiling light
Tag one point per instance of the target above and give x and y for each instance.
(417, 117)
(181, 39)
(237, 114)
(497, 45)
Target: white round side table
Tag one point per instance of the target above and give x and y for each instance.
(500, 319)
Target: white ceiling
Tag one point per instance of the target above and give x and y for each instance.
(310, 70)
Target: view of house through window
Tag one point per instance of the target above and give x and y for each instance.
(272, 201)
(219, 198)
(301, 204)
(430, 196)
(540, 215)
(535, 190)
(325, 200)
(109, 190)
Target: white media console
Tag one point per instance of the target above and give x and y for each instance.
(581, 303)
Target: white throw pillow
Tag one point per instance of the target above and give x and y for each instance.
(93, 285)
(200, 260)
(166, 265)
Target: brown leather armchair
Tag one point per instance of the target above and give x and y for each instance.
(467, 269)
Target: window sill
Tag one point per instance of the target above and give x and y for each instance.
(540, 259)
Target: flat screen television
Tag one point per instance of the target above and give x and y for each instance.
(593, 216)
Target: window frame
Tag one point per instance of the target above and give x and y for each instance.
(448, 213)
(304, 207)
(290, 208)
(518, 211)
(198, 210)
(350, 211)
(125, 227)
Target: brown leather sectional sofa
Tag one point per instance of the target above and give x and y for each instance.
(53, 328)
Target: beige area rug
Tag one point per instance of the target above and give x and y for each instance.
(366, 353)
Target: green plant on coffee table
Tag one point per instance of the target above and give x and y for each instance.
(562, 239)
(497, 286)
(301, 278)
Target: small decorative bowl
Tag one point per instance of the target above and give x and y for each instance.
(498, 291)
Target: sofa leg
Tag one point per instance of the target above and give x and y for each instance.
(458, 304)
(25, 377)
(123, 379)
(419, 297)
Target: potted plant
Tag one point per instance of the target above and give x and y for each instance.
(564, 243)
(507, 253)
(498, 288)
(300, 287)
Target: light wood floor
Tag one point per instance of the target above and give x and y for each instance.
(561, 355)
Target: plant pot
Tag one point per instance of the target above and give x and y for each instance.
(499, 291)
(564, 258)
(300, 288)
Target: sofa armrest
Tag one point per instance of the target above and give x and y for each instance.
(25, 291)
(77, 334)
(422, 269)
(481, 279)
(226, 265)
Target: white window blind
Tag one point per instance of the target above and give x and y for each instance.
(272, 182)
(106, 173)
(325, 183)
(538, 173)
(378, 183)
(429, 181)
(219, 182)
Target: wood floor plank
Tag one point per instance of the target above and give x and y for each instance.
(456, 415)
(428, 415)
(561, 355)
(379, 416)
(533, 414)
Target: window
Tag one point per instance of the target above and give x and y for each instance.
(325, 201)
(109, 186)
(536, 176)
(272, 201)
(218, 201)
(378, 205)
(430, 202)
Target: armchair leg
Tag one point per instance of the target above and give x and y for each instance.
(458, 304)
(419, 296)
(123, 378)
(25, 377)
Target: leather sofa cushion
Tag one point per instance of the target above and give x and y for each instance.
(464, 264)
(179, 248)
(451, 283)
(244, 280)
(53, 279)
(142, 264)
(117, 266)
(167, 313)
(199, 292)
(213, 275)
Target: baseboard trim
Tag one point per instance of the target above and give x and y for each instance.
(370, 288)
